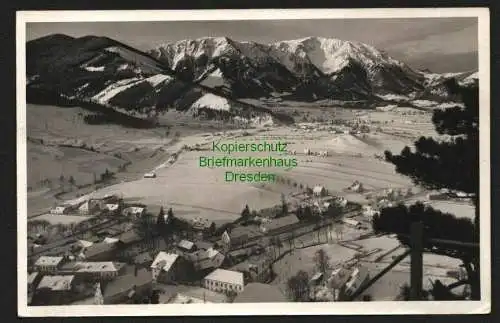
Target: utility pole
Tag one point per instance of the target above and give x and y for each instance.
(416, 260)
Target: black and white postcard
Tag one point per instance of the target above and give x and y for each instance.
(199, 162)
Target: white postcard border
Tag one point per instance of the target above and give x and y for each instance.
(368, 308)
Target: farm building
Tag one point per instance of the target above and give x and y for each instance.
(60, 210)
(356, 187)
(134, 211)
(221, 280)
(319, 190)
(260, 293)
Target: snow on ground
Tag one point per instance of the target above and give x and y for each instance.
(123, 67)
(303, 259)
(105, 95)
(424, 103)
(217, 73)
(394, 97)
(460, 210)
(386, 108)
(62, 219)
(446, 105)
(94, 68)
(212, 102)
(158, 79)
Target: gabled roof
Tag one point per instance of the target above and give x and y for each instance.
(164, 260)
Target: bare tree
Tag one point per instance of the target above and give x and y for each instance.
(322, 260)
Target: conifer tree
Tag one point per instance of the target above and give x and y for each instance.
(160, 222)
(451, 164)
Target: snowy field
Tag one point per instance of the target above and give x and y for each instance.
(62, 219)
(201, 191)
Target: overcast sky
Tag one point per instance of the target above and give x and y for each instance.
(439, 44)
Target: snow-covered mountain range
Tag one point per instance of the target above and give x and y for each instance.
(215, 72)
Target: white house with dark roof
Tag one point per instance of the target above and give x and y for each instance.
(48, 264)
(222, 280)
(319, 190)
